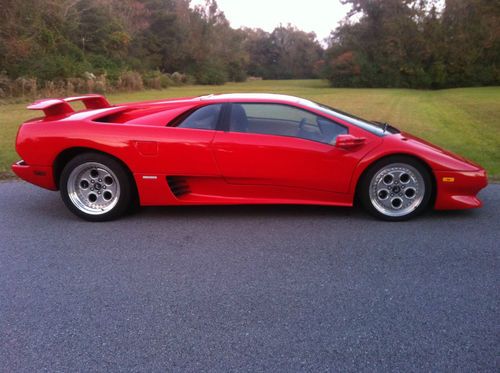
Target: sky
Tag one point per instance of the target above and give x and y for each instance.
(319, 16)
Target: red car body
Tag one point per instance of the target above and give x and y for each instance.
(185, 166)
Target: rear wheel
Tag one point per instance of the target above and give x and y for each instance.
(95, 187)
(396, 188)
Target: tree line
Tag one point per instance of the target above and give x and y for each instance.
(86, 45)
(132, 43)
(417, 44)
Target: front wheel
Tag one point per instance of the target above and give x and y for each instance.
(95, 187)
(396, 188)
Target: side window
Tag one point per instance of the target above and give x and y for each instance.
(204, 118)
(283, 120)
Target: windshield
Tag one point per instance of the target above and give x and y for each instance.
(373, 127)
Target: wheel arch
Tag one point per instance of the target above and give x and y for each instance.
(363, 169)
(68, 154)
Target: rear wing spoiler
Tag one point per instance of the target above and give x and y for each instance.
(61, 106)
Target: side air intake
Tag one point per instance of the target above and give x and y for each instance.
(178, 185)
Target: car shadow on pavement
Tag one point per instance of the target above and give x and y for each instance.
(282, 212)
(250, 211)
(49, 205)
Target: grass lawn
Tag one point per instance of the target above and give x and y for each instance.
(465, 121)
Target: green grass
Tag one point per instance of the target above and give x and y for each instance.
(465, 121)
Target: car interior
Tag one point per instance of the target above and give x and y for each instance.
(293, 123)
(268, 119)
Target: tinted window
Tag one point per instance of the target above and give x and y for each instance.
(283, 120)
(205, 118)
(372, 127)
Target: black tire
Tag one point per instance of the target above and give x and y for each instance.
(78, 204)
(396, 206)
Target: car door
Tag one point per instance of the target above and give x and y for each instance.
(185, 145)
(283, 145)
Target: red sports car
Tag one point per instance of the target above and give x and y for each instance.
(235, 149)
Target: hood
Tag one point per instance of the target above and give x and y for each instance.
(437, 157)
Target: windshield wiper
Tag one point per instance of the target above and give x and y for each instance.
(384, 125)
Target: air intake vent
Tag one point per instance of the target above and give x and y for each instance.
(178, 185)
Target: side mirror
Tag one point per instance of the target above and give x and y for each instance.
(349, 142)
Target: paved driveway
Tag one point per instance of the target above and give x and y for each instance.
(246, 289)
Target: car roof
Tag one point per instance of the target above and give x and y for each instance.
(179, 102)
(217, 98)
(250, 97)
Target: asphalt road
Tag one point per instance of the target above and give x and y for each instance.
(259, 288)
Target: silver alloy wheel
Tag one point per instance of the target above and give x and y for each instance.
(93, 188)
(397, 189)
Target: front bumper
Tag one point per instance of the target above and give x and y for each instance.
(42, 176)
(458, 189)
